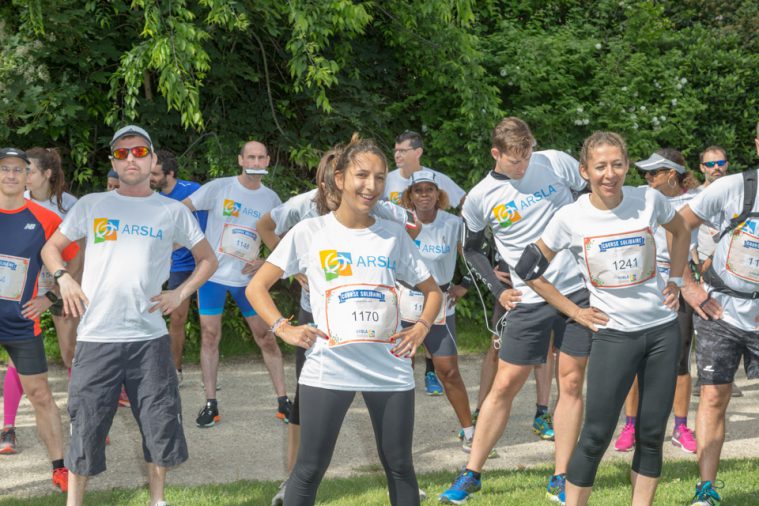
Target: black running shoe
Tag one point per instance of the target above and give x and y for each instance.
(284, 409)
(208, 416)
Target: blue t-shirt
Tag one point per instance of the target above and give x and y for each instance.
(24, 231)
(181, 259)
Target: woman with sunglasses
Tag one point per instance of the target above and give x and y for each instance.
(439, 244)
(610, 232)
(665, 172)
(353, 262)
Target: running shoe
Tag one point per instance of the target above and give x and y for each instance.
(284, 409)
(464, 485)
(706, 495)
(467, 447)
(432, 385)
(684, 438)
(279, 497)
(555, 489)
(626, 440)
(61, 478)
(422, 495)
(124, 399)
(475, 414)
(8, 441)
(208, 416)
(542, 426)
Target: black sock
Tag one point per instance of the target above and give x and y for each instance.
(212, 402)
(281, 400)
(430, 367)
(541, 410)
(57, 464)
(474, 473)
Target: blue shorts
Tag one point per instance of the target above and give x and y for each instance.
(212, 296)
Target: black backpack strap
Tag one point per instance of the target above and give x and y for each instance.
(749, 197)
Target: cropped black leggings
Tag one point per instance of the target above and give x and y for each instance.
(616, 357)
(392, 416)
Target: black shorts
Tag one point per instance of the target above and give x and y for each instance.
(527, 335)
(685, 319)
(146, 370)
(719, 348)
(28, 355)
(441, 339)
(177, 278)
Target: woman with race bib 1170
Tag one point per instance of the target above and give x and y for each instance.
(633, 311)
(352, 262)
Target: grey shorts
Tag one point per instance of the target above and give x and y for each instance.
(441, 339)
(28, 355)
(719, 348)
(146, 370)
(527, 335)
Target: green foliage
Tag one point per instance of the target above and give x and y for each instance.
(302, 75)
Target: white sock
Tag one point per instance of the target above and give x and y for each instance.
(468, 432)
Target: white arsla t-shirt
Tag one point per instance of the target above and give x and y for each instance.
(736, 257)
(616, 250)
(302, 206)
(129, 245)
(233, 212)
(45, 281)
(438, 244)
(352, 275)
(660, 235)
(518, 210)
(396, 184)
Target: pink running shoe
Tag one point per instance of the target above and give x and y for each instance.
(626, 440)
(684, 438)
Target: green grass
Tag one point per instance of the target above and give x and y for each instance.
(523, 487)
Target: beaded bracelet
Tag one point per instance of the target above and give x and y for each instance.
(280, 321)
(424, 322)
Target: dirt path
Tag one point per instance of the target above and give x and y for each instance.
(250, 441)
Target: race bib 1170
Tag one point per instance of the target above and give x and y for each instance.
(359, 313)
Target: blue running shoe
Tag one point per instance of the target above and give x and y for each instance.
(542, 426)
(555, 489)
(432, 385)
(706, 495)
(464, 485)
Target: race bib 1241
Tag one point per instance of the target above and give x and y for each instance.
(621, 259)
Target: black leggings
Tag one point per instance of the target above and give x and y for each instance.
(392, 415)
(616, 357)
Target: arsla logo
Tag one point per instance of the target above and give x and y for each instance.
(105, 230)
(506, 214)
(231, 208)
(395, 197)
(335, 263)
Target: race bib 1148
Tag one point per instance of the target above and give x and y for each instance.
(13, 272)
(240, 242)
(359, 313)
(621, 259)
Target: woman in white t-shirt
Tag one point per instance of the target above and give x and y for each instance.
(665, 171)
(46, 186)
(438, 243)
(352, 262)
(610, 233)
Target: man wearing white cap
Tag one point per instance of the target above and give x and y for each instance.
(234, 205)
(122, 338)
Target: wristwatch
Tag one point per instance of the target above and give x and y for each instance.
(52, 297)
(58, 274)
